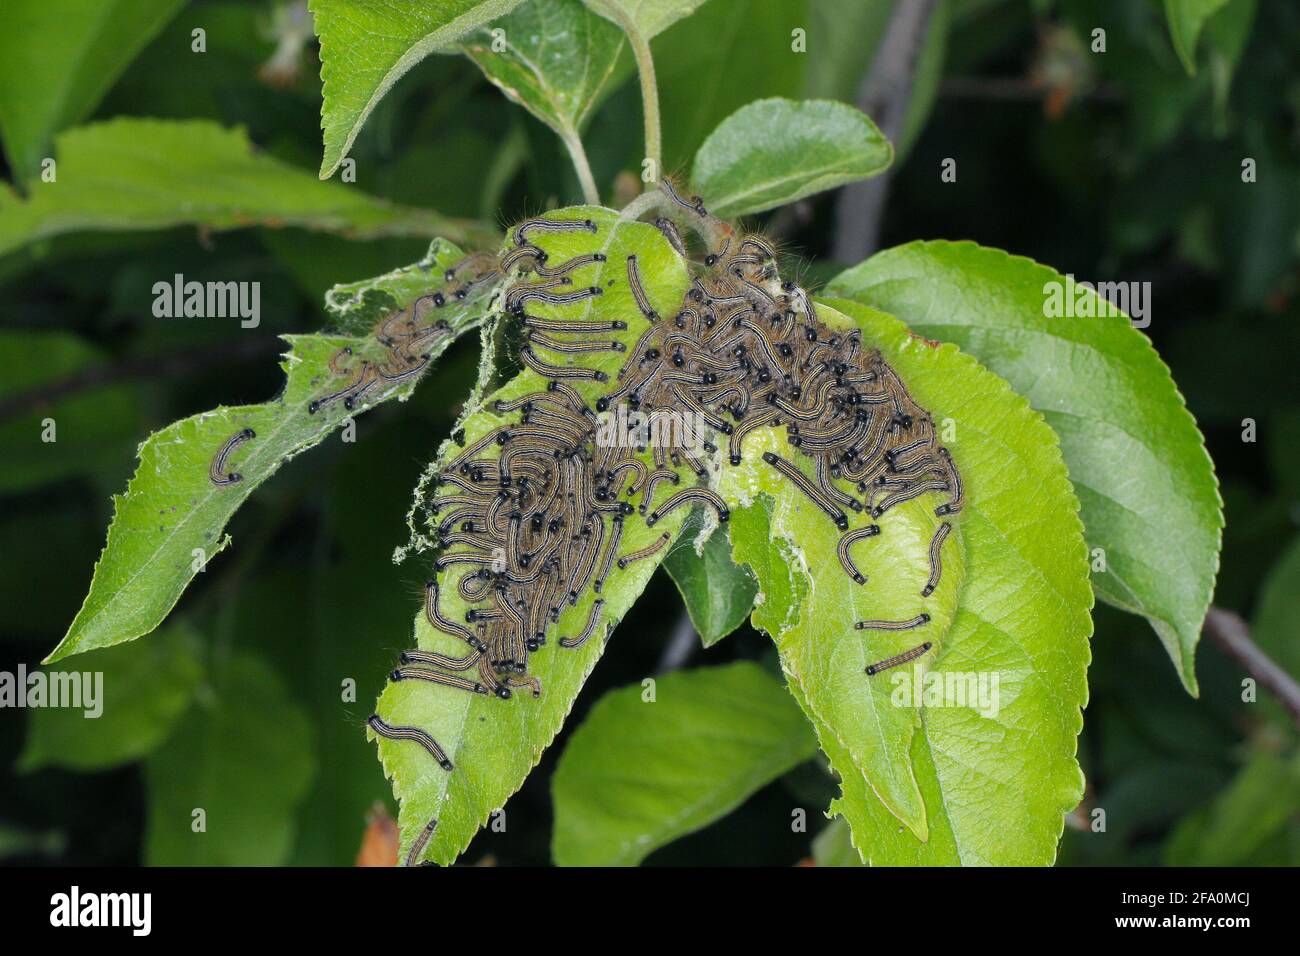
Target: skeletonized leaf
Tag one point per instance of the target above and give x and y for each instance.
(994, 777)
(1101, 386)
(169, 522)
(495, 743)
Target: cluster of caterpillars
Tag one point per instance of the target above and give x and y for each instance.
(531, 514)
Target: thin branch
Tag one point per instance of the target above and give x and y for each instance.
(165, 366)
(884, 95)
(1232, 634)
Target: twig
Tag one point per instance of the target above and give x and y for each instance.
(885, 92)
(1231, 633)
(165, 366)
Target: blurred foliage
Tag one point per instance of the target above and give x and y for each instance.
(1117, 165)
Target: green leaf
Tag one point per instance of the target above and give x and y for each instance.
(649, 17)
(131, 174)
(560, 61)
(1244, 819)
(833, 846)
(68, 435)
(245, 757)
(1186, 19)
(1137, 460)
(495, 743)
(848, 39)
(366, 46)
(992, 789)
(1226, 35)
(776, 151)
(170, 521)
(637, 775)
(57, 60)
(707, 68)
(718, 593)
(146, 689)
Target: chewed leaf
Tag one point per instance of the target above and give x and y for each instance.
(843, 495)
(169, 523)
(355, 307)
(821, 650)
(1158, 521)
(494, 743)
(719, 594)
(994, 755)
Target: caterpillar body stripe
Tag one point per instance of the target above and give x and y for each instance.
(897, 659)
(217, 473)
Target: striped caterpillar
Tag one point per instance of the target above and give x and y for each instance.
(531, 514)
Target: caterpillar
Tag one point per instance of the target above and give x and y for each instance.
(936, 561)
(531, 514)
(217, 473)
(903, 658)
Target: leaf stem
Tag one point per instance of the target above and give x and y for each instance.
(645, 67)
(573, 142)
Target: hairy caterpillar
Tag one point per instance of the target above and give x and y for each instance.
(532, 514)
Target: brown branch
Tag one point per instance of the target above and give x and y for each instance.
(885, 92)
(165, 366)
(1232, 634)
